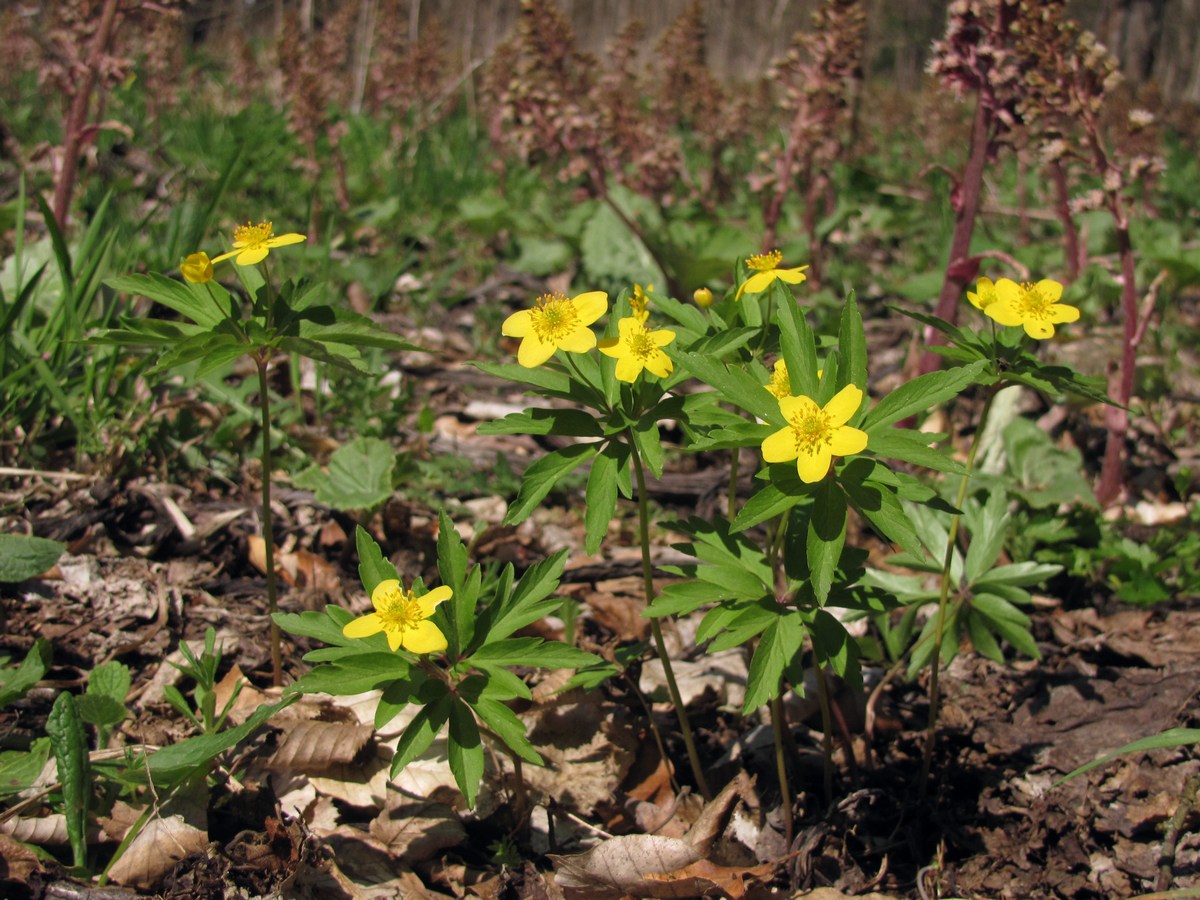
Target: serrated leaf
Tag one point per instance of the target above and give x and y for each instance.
(920, 395)
(355, 674)
(359, 475)
(424, 726)
(735, 385)
(324, 626)
(564, 422)
(528, 602)
(465, 751)
(541, 477)
(189, 300)
(988, 527)
(601, 496)
(798, 345)
(780, 642)
(826, 535)
(836, 649)
(505, 724)
(912, 447)
(24, 556)
(852, 346)
(766, 503)
(19, 770)
(532, 651)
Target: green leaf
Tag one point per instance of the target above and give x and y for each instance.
(532, 651)
(836, 649)
(24, 556)
(649, 445)
(777, 648)
(1021, 574)
(20, 770)
(601, 496)
(1172, 737)
(424, 726)
(766, 503)
(505, 724)
(65, 730)
(878, 504)
(360, 475)
(920, 395)
(799, 348)
(372, 567)
(324, 626)
(465, 751)
(191, 300)
(16, 682)
(682, 597)
(564, 422)
(852, 345)
(544, 474)
(735, 385)
(530, 600)
(545, 381)
(355, 674)
(826, 536)
(912, 447)
(988, 528)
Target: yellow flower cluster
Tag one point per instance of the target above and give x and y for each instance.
(251, 245)
(1034, 307)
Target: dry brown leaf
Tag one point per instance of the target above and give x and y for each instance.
(620, 866)
(45, 831)
(702, 877)
(363, 783)
(416, 832)
(154, 852)
(226, 686)
(318, 747)
(298, 568)
(117, 824)
(715, 814)
(18, 862)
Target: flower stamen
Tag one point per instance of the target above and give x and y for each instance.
(764, 262)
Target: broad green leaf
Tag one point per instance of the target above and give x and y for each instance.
(529, 601)
(65, 730)
(683, 597)
(502, 684)
(20, 769)
(543, 379)
(324, 626)
(878, 504)
(541, 477)
(988, 527)
(826, 535)
(359, 475)
(766, 503)
(649, 445)
(24, 556)
(601, 496)
(15, 682)
(983, 640)
(465, 751)
(799, 348)
(912, 447)
(735, 385)
(355, 674)
(780, 642)
(920, 395)
(372, 567)
(1022, 574)
(191, 300)
(836, 649)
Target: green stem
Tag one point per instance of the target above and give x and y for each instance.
(733, 479)
(777, 728)
(943, 598)
(583, 379)
(660, 645)
(264, 403)
(826, 728)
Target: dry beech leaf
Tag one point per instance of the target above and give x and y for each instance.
(47, 831)
(620, 867)
(226, 686)
(702, 877)
(362, 784)
(116, 825)
(154, 852)
(308, 746)
(416, 832)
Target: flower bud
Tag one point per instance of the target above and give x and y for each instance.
(197, 268)
(703, 297)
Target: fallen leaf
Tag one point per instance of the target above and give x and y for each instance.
(416, 832)
(702, 877)
(157, 848)
(318, 747)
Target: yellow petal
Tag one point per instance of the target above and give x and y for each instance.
(581, 340)
(780, 447)
(427, 603)
(611, 347)
(590, 306)
(1038, 329)
(791, 407)
(1003, 312)
(382, 590)
(662, 337)
(844, 405)
(792, 276)
(660, 364)
(224, 256)
(533, 352)
(252, 256)
(363, 626)
(628, 369)
(814, 466)
(847, 441)
(1060, 313)
(283, 240)
(756, 283)
(517, 325)
(424, 637)
(395, 639)
(629, 326)
(1050, 289)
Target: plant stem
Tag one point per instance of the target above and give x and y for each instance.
(660, 645)
(734, 459)
(261, 359)
(951, 540)
(827, 730)
(777, 728)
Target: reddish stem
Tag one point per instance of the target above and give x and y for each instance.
(1062, 196)
(77, 116)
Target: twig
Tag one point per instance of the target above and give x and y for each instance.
(9, 472)
(1187, 803)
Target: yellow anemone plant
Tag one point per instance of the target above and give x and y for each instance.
(252, 243)
(404, 618)
(766, 270)
(815, 435)
(197, 268)
(636, 348)
(556, 322)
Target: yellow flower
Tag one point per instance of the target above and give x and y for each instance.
(984, 294)
(402, 617)
(197, 268)
(1034, 306)
(766, 269)
(703, 297)
(556, 322)
(780, 384)
(252, 243)
(815, 435)
(638, 348)
(640, 303)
